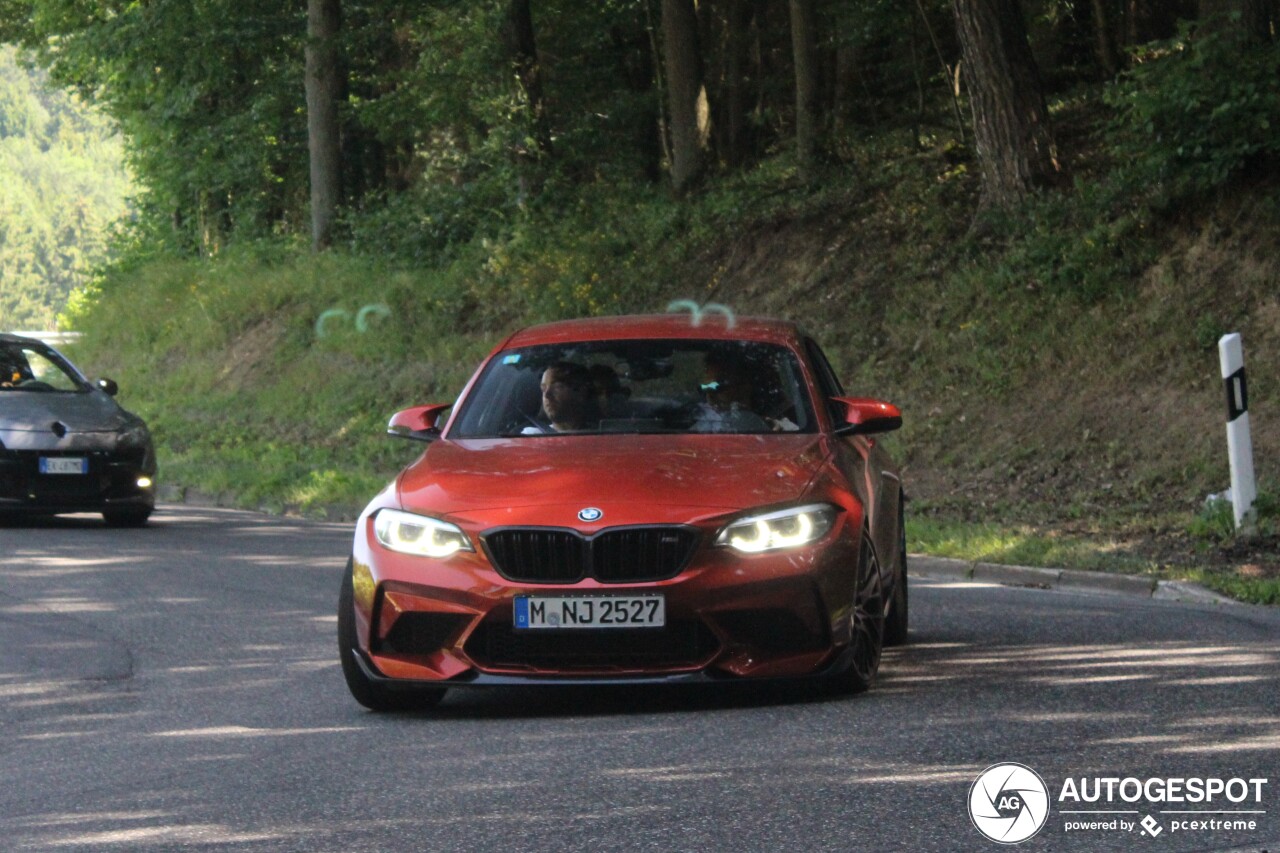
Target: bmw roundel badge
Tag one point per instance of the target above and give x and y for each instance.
(590, 514)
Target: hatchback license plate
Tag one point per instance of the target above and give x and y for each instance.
(64, 465)
(635, 611)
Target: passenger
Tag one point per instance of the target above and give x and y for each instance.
(610, 395)
(727, 390)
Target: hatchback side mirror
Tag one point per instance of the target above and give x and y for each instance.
(108, 386)
(418, 423)
(865, 416)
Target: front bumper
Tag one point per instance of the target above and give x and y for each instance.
(111, 481)
(837, 664)
(728, 616)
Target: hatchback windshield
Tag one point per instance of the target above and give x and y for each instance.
(638, 386)
(28, 369)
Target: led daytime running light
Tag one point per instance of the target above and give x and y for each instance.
(418, 534)
(775, 531)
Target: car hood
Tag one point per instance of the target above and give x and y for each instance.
(27, 418)
(631, 480)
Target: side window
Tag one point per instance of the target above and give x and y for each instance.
(828, 382)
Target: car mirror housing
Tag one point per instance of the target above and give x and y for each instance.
(108, 386)
(419, 423)
(866, 416)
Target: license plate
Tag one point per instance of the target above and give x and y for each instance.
(615, 611)
(64, 465)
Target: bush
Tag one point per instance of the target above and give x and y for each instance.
(1195, 110)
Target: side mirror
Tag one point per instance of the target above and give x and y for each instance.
(108, 386)
(865, 416)
(418, 423)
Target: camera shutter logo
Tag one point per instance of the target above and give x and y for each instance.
(1009, 803)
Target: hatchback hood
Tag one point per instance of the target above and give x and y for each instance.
(36, 411)
(44, 419)
(631, 479)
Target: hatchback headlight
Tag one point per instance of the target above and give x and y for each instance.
(133, 437)
(774, 531)
(418, 534)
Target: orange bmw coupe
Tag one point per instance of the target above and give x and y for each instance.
(643, 499)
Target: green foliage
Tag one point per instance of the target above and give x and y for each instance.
(1027, 546)
(62, 184)
(432, 223)
(1196, 110)
(247, 394)
(1080, 245)
(1215, 524)
(437, 131)
(1019, 545)
(209, 96)
(1248, 589)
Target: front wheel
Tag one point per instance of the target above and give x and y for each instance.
(895, 624)
(866, 622)
(369, 693)
(126, 516)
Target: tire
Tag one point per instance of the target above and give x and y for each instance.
(866, 623)
(895, 623)
(364, 690)
(126, 517)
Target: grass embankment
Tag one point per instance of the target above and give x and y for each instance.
(1059, 381)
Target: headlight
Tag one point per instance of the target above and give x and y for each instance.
(785, 528)
(133, 437)
(418, 534)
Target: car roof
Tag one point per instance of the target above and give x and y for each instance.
(705, 325)
(7, 338)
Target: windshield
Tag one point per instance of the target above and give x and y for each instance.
(25, 368)
(675, 386)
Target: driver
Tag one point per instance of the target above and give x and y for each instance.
(11, 372)
(568, 396)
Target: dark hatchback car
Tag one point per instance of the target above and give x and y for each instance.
(65, 444)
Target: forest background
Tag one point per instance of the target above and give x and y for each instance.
(1027, 223)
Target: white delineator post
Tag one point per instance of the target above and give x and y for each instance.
(1239, 445)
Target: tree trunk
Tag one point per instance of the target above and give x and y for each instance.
(323, 84)
(684, 86)
(522, 49)
(805, 57)
(1012, 135)
(1106, 49)
(737, 59)
(636, 67)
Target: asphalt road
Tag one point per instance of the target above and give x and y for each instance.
(177, 687)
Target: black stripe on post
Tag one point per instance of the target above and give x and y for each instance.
(1237, 395)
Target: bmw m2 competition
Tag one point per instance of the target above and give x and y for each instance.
(632, 500)
(65, 444)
